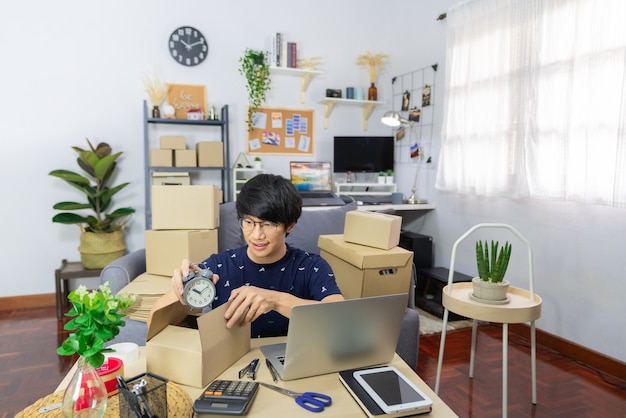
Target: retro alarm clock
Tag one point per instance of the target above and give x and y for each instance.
(199, 291)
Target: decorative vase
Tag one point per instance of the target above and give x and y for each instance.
(372, 93)
(488, 291)
(156, 113)
(98, 250)
(86, 394)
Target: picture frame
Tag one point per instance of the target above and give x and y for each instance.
(184, 97)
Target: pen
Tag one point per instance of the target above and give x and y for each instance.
(272, 371)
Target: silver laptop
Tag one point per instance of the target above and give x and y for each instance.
(314, 182)
(334, 336)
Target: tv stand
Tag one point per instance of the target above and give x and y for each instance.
(360, 189)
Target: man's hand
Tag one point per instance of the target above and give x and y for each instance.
(183, 271)
(248, 303)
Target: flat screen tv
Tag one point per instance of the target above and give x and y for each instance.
(363, 154)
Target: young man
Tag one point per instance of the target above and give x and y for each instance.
(266, 278)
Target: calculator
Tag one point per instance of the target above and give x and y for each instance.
(228, 397)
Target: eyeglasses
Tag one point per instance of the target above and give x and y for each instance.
(267, 227)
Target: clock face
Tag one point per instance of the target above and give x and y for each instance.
(199, 292)
(188, 46)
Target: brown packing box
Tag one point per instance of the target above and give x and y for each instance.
(363, 271)
(185, 158)
(186, 207)
(161, 158)
(172, 142)
(192, 356)
(148, 288)
(210, 154)
(373, 229)
(171, 178)
(166, 249)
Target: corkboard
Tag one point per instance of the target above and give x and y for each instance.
(185, 97)
(281, 131)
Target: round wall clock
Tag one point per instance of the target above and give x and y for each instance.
(188, 46)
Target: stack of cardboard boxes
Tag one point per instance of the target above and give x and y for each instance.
(366, 258)
(173, 152)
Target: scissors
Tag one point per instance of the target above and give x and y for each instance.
(311, 401)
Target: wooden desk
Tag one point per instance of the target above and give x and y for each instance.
(69, 270)
(284, 406)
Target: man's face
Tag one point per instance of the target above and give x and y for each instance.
(266, 240)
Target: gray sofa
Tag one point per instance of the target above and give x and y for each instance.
(304, 236)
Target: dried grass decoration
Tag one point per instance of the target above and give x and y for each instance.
(156, 91)
(374, 63)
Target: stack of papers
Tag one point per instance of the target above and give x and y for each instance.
(148, 288)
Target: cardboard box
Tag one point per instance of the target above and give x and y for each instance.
(210, 154)
(161, 158)
(192, 350)
(374, 229)
(186, 207)
(363, 271)
(167, 248)
(166, 178)
(185, 158)
(148, 288)
(172, 142)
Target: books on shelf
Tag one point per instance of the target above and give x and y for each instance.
(283, 54)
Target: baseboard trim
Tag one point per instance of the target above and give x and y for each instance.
(583, 354)
(28, 301)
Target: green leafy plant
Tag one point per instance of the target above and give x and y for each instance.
(492, 267)
(254, 65)
(97, 319)
(98, 164)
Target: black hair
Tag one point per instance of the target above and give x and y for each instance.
(270, 197)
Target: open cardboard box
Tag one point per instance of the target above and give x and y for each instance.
(192, 350)
(363, 271)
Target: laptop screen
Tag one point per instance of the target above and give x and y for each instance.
(311, 175)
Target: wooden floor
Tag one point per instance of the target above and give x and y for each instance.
(31, 369)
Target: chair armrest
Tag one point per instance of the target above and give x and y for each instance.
(122, 271)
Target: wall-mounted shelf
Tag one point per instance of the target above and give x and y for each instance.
(304, 74)
(367, 105)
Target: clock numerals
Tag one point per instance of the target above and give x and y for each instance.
(188, 46)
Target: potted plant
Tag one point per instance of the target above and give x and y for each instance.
(389, 177)
(102, 231)
(97, 318)
(254, 65)
(381, 177)
(257, 163)
(490, 284)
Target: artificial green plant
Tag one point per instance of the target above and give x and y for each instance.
(98, 165)
(254, 65)
(97, 319)
(492, 267)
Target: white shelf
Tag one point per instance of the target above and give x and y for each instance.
(367, 105)
(241, 176)
(304, 74)
(369, 189)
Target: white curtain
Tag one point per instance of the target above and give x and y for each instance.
(535, 100)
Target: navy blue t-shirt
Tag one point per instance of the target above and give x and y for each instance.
(304, 275)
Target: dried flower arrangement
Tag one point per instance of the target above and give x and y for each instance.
(374, 63)
(155, 88)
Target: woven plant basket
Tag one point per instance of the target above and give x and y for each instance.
(179, 404)
(98, 250)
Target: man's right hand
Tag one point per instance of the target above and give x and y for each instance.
(177, 279)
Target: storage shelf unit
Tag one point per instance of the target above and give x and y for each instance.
(363, 189)
(222, 124)
(241, 176)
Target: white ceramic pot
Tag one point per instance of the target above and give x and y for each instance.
(489, 291)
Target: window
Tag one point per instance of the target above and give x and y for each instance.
(535, 100)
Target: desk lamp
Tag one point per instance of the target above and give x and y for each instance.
(393, 119)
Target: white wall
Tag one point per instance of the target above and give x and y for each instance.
(73, 69)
